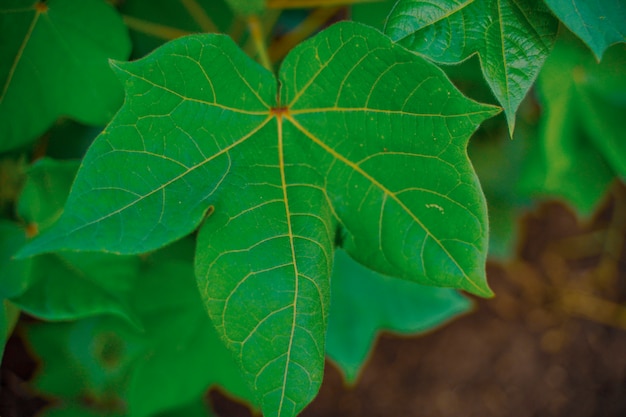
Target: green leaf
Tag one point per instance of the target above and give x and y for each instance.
(354, 152)
(184, 354)
(86, 359)
(172, 361)
(512, 38)
(45, 191)
(14, 274)
(100, 282)
(580, 148)
(598, 23)
(9, 314)
(53, 62)
(363, 303)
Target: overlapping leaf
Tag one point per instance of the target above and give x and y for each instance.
(100, 282)
(512, 38)
(581, 145)
(364, 303)
(172, 361)
(351, 150)
(54, 61)
(599, 23)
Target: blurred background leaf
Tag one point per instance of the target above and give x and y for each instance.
(598, 23)
(364, 303)
(580, 148)
(54, 62)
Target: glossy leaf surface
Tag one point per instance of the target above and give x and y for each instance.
(512, 38)
(598, 23)
(54, 62)
(363, 303)
(337, 159)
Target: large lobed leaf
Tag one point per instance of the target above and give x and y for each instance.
(511, 37)
(54, 62)
(363, 145)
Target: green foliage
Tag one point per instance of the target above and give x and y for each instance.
(599, 24)
(512, 39)
(171, 360)
(382, 303)
(232, 227)
(580, 148)
(55, 62)
(312, 186)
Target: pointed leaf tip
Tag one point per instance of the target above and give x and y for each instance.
(512, 38)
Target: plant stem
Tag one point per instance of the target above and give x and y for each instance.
(199, 15)
(254, 24)
(154, 29)
(313, 22)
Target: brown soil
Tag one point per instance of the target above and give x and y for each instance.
(551, 343)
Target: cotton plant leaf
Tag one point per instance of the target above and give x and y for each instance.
(351, 151)
(53, 62)
(184, 355)
(598, 23)
(100, 282)
(580, 149)
(164, 366)
(86, 359)
(512, 38)
(363, 303)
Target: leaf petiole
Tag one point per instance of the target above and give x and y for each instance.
(254, 25)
